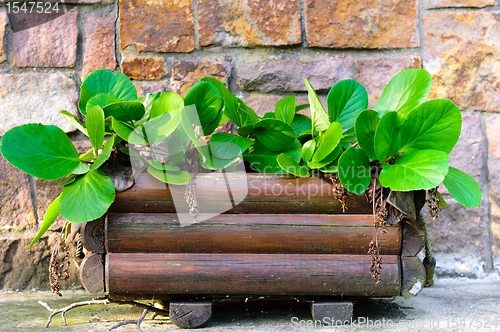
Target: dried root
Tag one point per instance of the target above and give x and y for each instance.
(190, 198)
(58, 267)
(376, 260)
(338, 191)
(433, 203)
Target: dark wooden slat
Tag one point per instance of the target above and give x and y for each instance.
(92, 273)
(255, 233)
(93, 235)
(146, 275)
(332, 313)
(413, 237)
(414, 277)
(266, 194)
(190, 315)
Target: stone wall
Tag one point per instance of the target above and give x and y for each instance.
(262, 49)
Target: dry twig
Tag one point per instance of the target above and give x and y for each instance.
(136, 322)
(63, 311)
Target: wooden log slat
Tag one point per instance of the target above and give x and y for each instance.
(249, 233)
(413, 237)
(414, 276)
(91, 273)
(266, 194)
(146, 275)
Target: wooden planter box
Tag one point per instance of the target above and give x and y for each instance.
(297, 243)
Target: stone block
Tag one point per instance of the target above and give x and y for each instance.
(16, 207)
(36, 97)
(361, 24)
(143, 67)
(144, 87)
(27, 269)
(375, 72)
(98, 43)
(460, 3)
(4, 20)
(492, 129)
(461, 52)
(262, 104)
(185, 73)
(288, 75)
(157, 26)
(51, 44)
(249, 22)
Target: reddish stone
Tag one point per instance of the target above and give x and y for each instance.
(4, 19)
(374, 73)
(460, 3)
(288, 75)
(492, 129)
(166, 26)
(249, 23)
(52, 44)
(16, 208)
(144, 87)
(98, 43)
(361, 24)
(143, 67)
(461, 53)
(185, 73)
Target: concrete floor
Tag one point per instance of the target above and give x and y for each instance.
(449, 305)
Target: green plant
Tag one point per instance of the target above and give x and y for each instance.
(405, 140)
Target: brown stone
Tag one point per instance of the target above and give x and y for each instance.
(492, 129)
(374, 73)
(185, 73)
(52, 44)
(144, 87)
(157, 26)
(98, 43)
(4, 19)
(461, 52)
(460, 3)
(361, 24)
(288, 75)
(27, 269)
(143, 67)
(16, 208)
(249, 23)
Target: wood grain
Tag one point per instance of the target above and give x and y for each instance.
(248, 233)
(146, 275)
(262, 194)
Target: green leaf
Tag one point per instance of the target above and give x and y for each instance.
(162, 167)
(285, 109)
(245, 131)
(228, 146)
(208, 101)
(424, 169)
(48, 219)
(123, 130)
(165, 102)
(125, 110)
(354, 170)
(81, 169)
(327, 160)
(301, 124)
(301, 107)
(95, 126)
(269, 115)
(170, 177)
(319, 117)
(387, 137)
(105, 154)
(329, 141)
(463, 188)
(308, 150)
(88, 197)
(364, 127)
(102, 100)
(346, 100)
(405, 91)
(274, 134)
(162, 126)
(234, 108)
(265, 160)
(292, 167)
(435, 124)
(106, 81)
(42, 151)
(74, 121)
